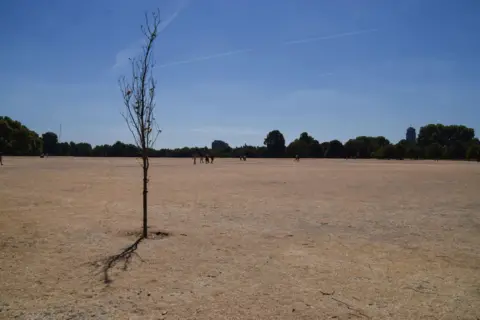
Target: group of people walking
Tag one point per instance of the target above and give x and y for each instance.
(203, 158)
(209, 159)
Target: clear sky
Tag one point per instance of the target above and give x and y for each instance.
(236, 69)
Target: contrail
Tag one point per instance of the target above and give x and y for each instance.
(168, 21)
(333, 36)
(326, 74)
(288, 43)
(213, 56)
(123, 55)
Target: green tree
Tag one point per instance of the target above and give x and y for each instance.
(305, 137)
(413, 152)
(325, 145)
(84, 149)
(444, 135)
(50, 143)
(434, 151)
(298, 147)
(335, 150)
(64, 149)
(386, 152)
(364, 146)
(473, 152)
(305, 146)
(118, 149)
(73, 149)
(455, 150)
(102, 151)
(220, 148)
(435, 141)
(316, 150)
(275, 143)
(353, 148)
(400, 151)
(17, 139)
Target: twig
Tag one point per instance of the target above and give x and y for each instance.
(327, 293)
(421, 291)
(371, 268)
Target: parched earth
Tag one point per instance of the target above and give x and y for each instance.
(261, 239)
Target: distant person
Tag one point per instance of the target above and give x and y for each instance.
(1, 158)
(297, 157)
(207, 159)
(194, 158)
(211, 159)
(201, 158)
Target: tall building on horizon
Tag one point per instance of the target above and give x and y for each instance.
(411, 135)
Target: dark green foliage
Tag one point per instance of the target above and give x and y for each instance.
(364, 147)
(220, 148)
(400, 151)
(414, 152)
(249, 151)
(444, 135)
(298, 147)
(435, 141)
(305, 146)
(434, 151)
(220, 145)
(17, 139)
(473, 152)
(65, 148)
(275, 143)
(83, 149)
(352, 148)
(386, 152)
(335, 150)
(305, 137)
(50, 143)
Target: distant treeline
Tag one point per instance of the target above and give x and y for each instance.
(434, 141)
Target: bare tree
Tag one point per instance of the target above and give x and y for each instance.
(138, 93)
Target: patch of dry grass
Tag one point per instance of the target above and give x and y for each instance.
(262, 239)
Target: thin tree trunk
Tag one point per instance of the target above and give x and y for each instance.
(145, 191)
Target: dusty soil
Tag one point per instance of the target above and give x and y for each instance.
(262, 239)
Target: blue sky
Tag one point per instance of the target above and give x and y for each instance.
(236, 69)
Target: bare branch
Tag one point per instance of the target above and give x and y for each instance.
(139, 92)
(359, 311)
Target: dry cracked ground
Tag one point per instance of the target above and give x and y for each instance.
(261, 239)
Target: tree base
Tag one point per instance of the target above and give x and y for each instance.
(152, 234)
